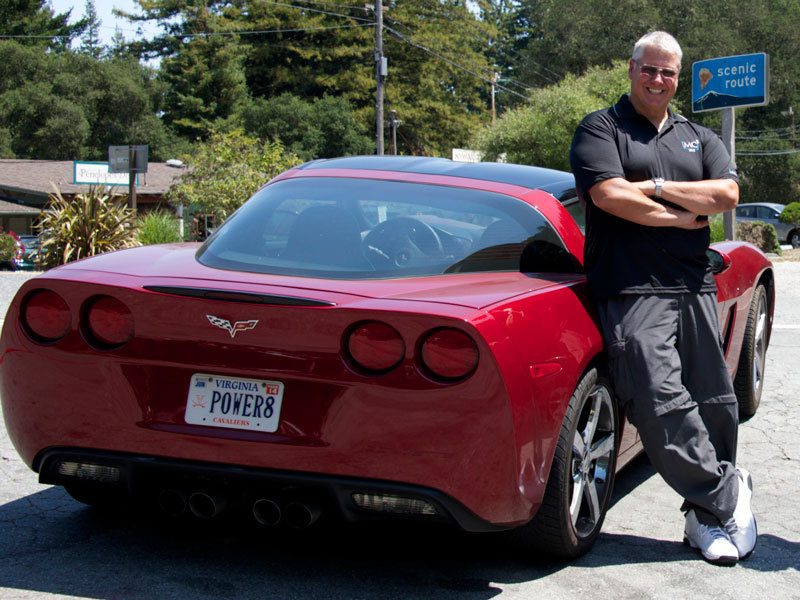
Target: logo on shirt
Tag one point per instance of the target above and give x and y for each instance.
(691, 146)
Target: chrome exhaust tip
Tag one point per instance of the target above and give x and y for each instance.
(301, 515)
(206, 505)
(267, 512)
(173, 502)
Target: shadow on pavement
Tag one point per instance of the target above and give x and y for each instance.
(54, 545)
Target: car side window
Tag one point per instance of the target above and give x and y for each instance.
(765, 212)
(745, 211)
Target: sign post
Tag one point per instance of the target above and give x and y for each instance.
(723, 84)
(131, 160)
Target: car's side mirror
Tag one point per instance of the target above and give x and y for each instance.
(719, 261)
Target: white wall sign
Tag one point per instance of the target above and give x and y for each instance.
(96, 173)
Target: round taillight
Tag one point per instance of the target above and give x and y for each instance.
(449, 353)
(46, 316)
(110, 321)
(375, 346)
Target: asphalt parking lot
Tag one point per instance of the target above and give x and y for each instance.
(53, 547)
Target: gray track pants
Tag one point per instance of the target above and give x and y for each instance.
(668, 371)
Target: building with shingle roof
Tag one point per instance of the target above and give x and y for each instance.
(26, 185)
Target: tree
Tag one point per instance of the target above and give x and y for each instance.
(201, 62)
(90, 40)
(540, 133)
(324, 128)
(226, 170)
(438, 75)
(33, 23)
(69, 106)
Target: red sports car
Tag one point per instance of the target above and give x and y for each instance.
(366, 337)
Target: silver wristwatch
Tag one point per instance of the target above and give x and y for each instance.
(659, 185)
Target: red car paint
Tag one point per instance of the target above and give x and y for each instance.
(486, 441)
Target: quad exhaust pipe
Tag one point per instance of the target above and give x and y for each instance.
(299, 515)
(266, 511)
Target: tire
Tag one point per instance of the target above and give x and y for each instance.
(581, 477)
(749, 380)
(794, 238)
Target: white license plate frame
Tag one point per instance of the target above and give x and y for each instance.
(234, 402)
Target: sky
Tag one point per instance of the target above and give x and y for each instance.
(109, 22)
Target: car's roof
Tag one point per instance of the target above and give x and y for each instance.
(774, 205)
(549, 180)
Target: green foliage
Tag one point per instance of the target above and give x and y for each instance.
(90, 40)
(158, 227)
(226, 170)
(89, 224)
(717, 227)
(324, 128)
(70, 106)
(435, 50)
(759, 234)
(540, 133)
(8, 246)
(37, 25)
(790, 214)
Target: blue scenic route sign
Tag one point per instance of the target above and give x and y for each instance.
(730, 81)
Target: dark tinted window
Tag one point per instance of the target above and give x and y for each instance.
(766, 212)
(363, 229)
(746, 211)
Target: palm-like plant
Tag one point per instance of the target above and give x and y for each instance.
(89, 224)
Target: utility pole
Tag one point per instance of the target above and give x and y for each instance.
(495, 79)
(380, 74)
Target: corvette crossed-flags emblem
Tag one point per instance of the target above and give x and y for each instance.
(234, 328)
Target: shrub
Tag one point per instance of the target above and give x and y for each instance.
(158, 227)
(88, 224)
(790, 214)
(226, 170)
(8, 245)
(760, 234)
(717, 228)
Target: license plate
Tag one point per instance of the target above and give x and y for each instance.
(232, 402)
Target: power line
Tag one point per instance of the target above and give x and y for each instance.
(451, 62)
(219, 33)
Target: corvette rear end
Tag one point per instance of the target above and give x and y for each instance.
(197, 396)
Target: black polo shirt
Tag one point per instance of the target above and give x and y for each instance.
(623, 257)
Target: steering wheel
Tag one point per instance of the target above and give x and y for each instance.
(402, 242)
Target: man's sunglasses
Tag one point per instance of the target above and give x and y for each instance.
(650, 71)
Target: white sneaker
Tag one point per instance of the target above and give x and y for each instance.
(742, 527)
(713, 542)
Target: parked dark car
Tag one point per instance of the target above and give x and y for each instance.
(27, 258)
(768, 212)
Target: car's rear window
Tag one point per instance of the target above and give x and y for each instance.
(341, 228)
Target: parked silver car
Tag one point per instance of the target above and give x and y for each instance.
(788, 233)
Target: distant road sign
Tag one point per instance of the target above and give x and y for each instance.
(730, 81)
(119, 159)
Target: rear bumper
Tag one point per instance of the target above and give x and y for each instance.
(144, 477)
